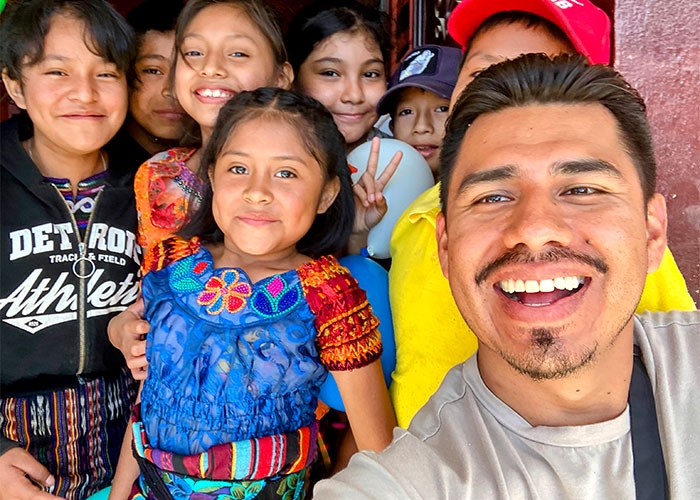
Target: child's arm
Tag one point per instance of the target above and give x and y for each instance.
(127, 468)
(367, 405)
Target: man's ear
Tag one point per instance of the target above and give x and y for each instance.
(656, 231)
(441, 235)
(286, 76)
(328, 195)
(391, 125)
(14, 90)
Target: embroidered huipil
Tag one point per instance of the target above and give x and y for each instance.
(167, 192)
(231, 360)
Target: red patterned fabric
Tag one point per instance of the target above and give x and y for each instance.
(168, 251)
(348, 337)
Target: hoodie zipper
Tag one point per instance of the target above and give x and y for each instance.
(82, 276)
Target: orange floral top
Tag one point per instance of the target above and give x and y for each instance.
(167, 192)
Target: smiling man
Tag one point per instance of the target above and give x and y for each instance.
(548, 229)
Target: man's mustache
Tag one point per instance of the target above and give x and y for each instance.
(520, 255)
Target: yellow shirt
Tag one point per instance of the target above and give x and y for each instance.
(430, 334)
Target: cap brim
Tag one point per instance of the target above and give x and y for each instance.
(590, 36)
(438, 88)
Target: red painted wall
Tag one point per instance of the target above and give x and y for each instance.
(657, 45)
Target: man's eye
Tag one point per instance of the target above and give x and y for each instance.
(405, 112)
(579, 190)
(493, 198)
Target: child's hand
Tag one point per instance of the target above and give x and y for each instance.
(21, 475)
(127, 331)
(370, 204)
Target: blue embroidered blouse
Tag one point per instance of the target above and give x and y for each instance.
(229, 359)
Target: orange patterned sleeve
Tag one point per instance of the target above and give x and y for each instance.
(348, 335)
(167, 193)
(168, 251)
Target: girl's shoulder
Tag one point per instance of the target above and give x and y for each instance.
(325, 280)
(167, 252)
(166, 164)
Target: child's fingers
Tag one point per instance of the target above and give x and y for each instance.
(390, 169)
(373, 159)
(138, 348)
(360, 193)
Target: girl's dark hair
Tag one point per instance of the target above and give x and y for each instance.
(25, 24)
(322, 19)
(257, 10)
(330, 231)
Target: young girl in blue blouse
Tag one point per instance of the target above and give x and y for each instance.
(249, 311)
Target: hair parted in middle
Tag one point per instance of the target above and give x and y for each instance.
(330, 230)
(538, 79)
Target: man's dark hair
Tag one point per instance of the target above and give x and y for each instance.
(537, 79)
(330, 231)
(25, 25)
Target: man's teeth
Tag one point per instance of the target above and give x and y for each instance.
(534, 286)
(214, 93)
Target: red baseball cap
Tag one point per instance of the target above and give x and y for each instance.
(586, 26)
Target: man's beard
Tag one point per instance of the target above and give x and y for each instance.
(546, 359)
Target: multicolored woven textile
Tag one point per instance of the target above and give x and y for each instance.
(252, 459)
(75, 432)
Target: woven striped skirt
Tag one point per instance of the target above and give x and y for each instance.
(75, 432)
(271, 467)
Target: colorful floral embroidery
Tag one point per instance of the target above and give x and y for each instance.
(225, 291)
(182, 488)
(274, 297)
(181, 279)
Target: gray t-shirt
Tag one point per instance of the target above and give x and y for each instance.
(466, 443)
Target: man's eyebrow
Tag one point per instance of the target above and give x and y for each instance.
(593, 165)
(483, 176)
(568, 167)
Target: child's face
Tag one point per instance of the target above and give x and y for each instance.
(502, 42)
(76, 99)
(419, 120)
(266, 193)
(223, 53)
(346, 74)
(151, 104)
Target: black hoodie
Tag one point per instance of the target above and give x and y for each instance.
(53, 322)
